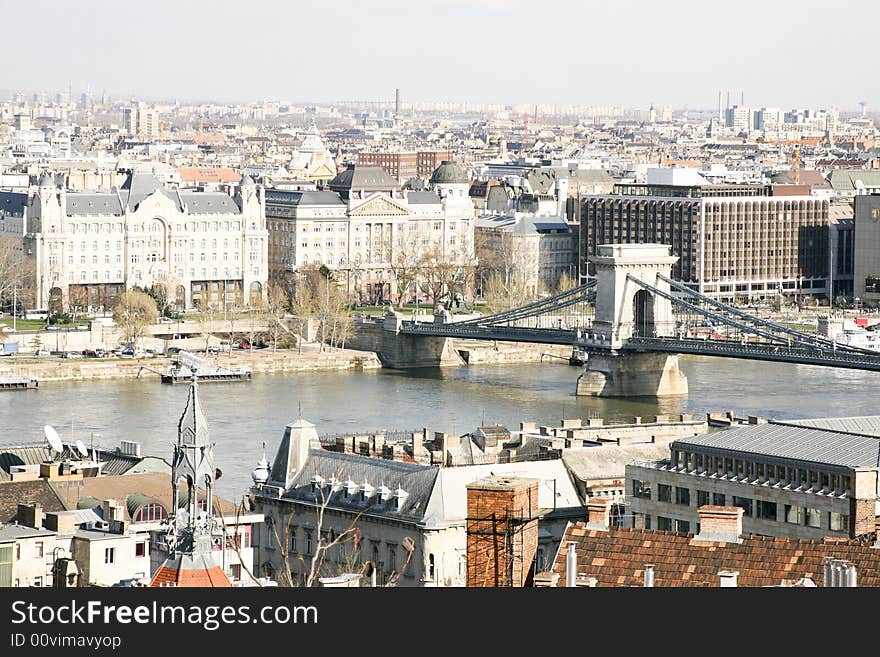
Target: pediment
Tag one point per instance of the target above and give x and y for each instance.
(380, 205)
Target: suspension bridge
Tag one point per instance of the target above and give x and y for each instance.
(630, 324)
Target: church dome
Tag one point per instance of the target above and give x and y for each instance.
(449, 173)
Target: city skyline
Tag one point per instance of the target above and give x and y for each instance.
(576, 55)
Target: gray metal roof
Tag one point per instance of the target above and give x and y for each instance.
(422, 198)
(800, 443)
(34, 454)
(417, 480)
(12, 204)
(368, 178)
(302, 198)
(139, 186)
(15, 532)
(91, 203)
(866, 425)
(209, 203)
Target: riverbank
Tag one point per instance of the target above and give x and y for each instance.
(263, 361)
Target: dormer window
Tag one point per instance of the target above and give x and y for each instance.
(366, 491)
(351, 488)
(400, 496)
(384, 493)
(317, 483)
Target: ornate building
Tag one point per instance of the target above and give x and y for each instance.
(365, 224)
(312, 160)
(205, 247)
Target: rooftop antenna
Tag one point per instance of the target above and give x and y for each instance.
(483, 421)
(53, 439)
(81, 448)
(300, 406)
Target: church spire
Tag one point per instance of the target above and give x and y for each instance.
(191, 531)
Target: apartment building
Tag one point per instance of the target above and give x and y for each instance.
(734, 242)
(799, 479)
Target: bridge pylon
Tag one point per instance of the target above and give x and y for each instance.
(625, 310)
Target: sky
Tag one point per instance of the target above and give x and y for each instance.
(630, 53)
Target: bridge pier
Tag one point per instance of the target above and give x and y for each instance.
(401, 351)
(632, 375)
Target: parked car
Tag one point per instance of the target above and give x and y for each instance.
(90, 353)
(166, 320)
(72, 355)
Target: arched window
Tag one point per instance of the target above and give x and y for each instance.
(150, 513)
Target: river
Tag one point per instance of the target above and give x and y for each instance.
(242, 416)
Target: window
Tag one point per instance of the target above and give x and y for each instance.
(745, 503)
(38, 581)
(766, 510)
(431, 567)
(664, 524)
(702, 497)
(813, 517)
(110, 555)
(308, 542)
(235, 571)
(682, 496)
(719, 499)
(664, 493)
(794, 514)
(641, 489)
(293, 540)
(140, 549)
(682, 526)
(5, 566)
(838, 522)
(38, 549)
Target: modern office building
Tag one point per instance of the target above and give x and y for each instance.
(732, 241)
(801, 479)
(91, 246)
(404, 165)
(866, 277)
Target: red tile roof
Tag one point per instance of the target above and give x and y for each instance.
(205, 577)
(209, 174)
(617, 558)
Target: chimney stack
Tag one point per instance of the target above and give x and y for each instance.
(598, 514)
(720, 524)
(30, 514)
(571, 561)
(728, 578)
(649, 575)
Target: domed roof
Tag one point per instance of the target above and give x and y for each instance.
(449, 173)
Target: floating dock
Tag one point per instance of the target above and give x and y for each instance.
(184, 375)
(14, 382)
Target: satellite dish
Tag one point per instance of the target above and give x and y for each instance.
(81, 448)
(53, 439)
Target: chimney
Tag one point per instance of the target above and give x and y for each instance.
(649, 575)
(417, 443)
(598, 514)
(495, 555)
(720, 524)
(728, 578)
(30, 514)
(571, 561)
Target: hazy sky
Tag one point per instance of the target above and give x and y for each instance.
(620, 52)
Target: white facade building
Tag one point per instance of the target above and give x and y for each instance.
(205, 247)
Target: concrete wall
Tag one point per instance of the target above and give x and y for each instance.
(632, 375)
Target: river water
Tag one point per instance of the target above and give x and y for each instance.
(242, 416)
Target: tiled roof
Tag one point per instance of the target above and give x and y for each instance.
(209, 174)
(39, 491)
(617, 557)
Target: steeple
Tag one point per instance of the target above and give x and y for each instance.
(190, 538)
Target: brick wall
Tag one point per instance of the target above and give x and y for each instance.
(502, 531)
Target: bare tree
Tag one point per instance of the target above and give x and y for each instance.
(318, 564)
(404, 262)
(277, 302)
(134, 311)
(208, 311)
(17, 274)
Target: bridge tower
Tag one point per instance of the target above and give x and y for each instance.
(625, 310)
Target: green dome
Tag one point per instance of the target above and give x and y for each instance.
(449, 173)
